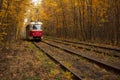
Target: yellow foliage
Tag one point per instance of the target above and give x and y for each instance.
(96, 3)
(4, 33)
(68, 75)
(68, 64)
(54, 72)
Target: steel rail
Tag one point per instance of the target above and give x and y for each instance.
(89, 44)
(116, 54)
(105, 64)
(76, 76)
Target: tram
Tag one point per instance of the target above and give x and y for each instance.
(34, 31)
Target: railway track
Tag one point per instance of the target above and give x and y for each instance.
(107, 64)
(76, 76)
(112, 51)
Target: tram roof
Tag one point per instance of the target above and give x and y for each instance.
(36, 23)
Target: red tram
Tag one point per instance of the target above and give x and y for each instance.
(34, 31)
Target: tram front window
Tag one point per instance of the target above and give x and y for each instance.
(36, 27)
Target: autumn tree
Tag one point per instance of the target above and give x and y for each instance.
(86, 20)
(11, 18)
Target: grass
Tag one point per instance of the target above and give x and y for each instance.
(92, 50)
(119, 78)
(39, 55)
(58, 78)
(33, 78)
(54, 72)
(111, 58)
(83, 76)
